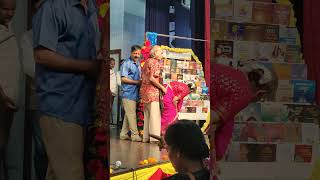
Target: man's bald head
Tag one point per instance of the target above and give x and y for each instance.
(7, 11)
(156, 52)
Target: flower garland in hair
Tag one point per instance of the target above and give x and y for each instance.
(145, 51)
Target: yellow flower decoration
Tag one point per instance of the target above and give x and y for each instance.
(234, 28)
(316, 171)
(206, 124)
(103, 9)
(293, 20)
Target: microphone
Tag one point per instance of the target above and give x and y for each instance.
(116, 165)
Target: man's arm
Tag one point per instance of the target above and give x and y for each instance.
(57, 62)
(129, 81)
(154, 81)
(124, 73)
(154, 73)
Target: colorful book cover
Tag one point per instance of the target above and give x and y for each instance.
(235, 31)
(283, 71)
(262, 13)
(219, 29)
(167, 76)
(259, 32)
(180, 77)
(186, 77)
(194, 103)
(304, 113)
(299, 71)
(184, 71)
(271, 33)
(186, 64)
(236, 135)
(244, 152)
(252, 113)
(285, 152)
(191, 109)
(178, 71)
(223, 49)
(253, 32)
(223, 8)
(274, 112)
(192, 65)
(304, 91)
(174, 77)
(194, 78)
(281, 14)
(293, 54)
(285, 91)
(167, 62)
(194, 72)
(180, 64)
(167, 69)
(272, 52)
(310, 133)
(205, 110)
(270, 133)
(288, 35)
(243, 10)
(173, 64)
(303, 153)
(245, 50)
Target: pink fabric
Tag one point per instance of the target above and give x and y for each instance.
(169, 113)
(230, 92)
(181, 90)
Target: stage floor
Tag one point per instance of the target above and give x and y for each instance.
(130, 153)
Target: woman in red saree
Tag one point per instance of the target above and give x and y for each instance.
(172, 103)
(231, 90)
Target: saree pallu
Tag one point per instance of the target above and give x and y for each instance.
(169, 112)
(230, 92)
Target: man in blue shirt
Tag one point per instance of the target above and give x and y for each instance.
(64, 34)
(130, 82)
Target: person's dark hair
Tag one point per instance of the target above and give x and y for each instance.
(254, 76)
(135, 48)
(251, 118)
(191, 86)
(187, 137)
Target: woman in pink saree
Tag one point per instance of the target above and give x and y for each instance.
(172, 103)
(231, 90)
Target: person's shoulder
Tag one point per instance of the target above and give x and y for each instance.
(126, 61)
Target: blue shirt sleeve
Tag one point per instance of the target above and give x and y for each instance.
(124, 71)
(46, 26)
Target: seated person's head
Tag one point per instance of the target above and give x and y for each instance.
(186, 145)
(192, 87)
